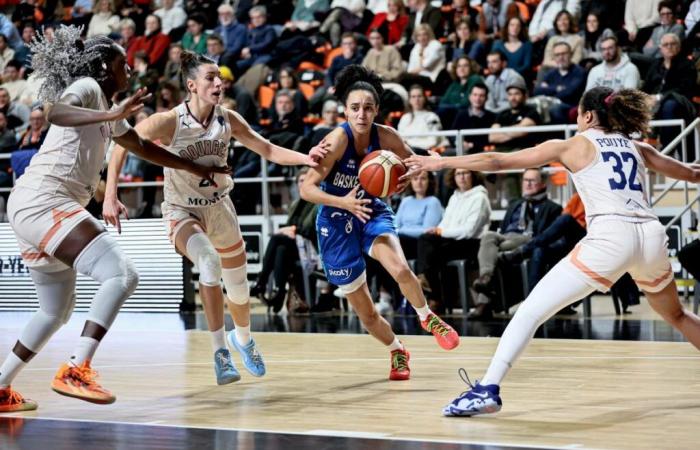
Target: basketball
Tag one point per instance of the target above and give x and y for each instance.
(379, 173)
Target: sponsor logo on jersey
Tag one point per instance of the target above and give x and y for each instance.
(345, 181)
(204, 148)
(352, 165)
(344, 273)
(324, 231)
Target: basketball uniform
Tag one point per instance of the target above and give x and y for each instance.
(624, 235)
(342, 237)
(49, 200)
(190, 198)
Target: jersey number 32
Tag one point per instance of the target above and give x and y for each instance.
(620, 165)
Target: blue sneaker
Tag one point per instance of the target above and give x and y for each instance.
(252, 359)
(477, 400)
(223, 366)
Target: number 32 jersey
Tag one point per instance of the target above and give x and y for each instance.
(206, 146)
(614, 182)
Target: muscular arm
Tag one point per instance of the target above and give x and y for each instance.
(253, 141)
(311, 188)
(500, 138)
(668, 166)
(68, 112)
(389, 138)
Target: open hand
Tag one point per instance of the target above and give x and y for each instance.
(357, 206)
(417, 164)
(132, 105)
(318, 152)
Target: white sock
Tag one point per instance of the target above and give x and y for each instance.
(218, 339)
(395, 345)
(242, 334)
(84, 351)
(496, 373)
(423, 312)
(10, 368)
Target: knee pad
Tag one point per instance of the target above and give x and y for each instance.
(203, 253)
(103, 259)
(354, 285)
(236, 283)
(56, 293)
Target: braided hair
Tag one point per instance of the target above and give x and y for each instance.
(626, 111)
(66, 58)
(355, 77)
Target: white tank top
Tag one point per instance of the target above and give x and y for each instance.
(614, 182)
(71, 158)
(207, 146)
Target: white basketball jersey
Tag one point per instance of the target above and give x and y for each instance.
(71, 158)
(614, 183)
(207, 146)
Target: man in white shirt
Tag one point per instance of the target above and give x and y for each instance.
(616, 71)
(171, 16)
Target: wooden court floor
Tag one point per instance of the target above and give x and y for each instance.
(563, 393)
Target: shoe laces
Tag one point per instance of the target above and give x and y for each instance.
(256, 356)
(14, 397)
(85, 374)
(435, 325)
(224, 359)
(399, 360)
(465, 377)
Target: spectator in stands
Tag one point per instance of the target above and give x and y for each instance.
(195, 39)
(420, 211)
(233, 34)
(287, 124)
(465, 42)
(26, 11)
(304, 16)
(262, 39)
(281, 254)
(519, 114)
(671, 81)
(500, 77)
(288, 80)
(345, 16)
(565, 82)
(392, 23)
(6, 53)
(245, 103)
(668, 24)
(616, 71)
(641, 17)
(349, 55)
(419, 120)
(610, 13)
(22, 52)
(465, 75)
(493, 17)
(593, 35)
(525, 218)
(515, 46)
(8, 138)
(384, 60)
(12, 79)
(553, 243)
(34, 136)
(207, 8)
(154, 43)
(329, 120)
(136, 11)
(564, 31)
(172, 67)
(422, 13)
(16, 113)
(216, 50)
(474, 117)
(453, 13)
(143, 75)
(127, 33)
(167, 97)
(692, 27)
(542, 22)
(81, 12)
(103, 20)
(465, 220)
(427, 57)
(10, 31)
(171, 16)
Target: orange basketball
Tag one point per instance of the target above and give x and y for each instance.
(380, 171)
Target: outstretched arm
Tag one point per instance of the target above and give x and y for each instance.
(668, 166)
(69, 111)
(250, 139)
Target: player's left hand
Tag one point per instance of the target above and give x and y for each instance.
(417, 164)
(208, 173)
(318, 152)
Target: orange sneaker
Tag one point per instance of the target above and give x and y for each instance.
(12, 401)
(445, 335)
(399, 365)
(80, 382)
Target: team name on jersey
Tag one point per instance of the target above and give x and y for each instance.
(345, 181)
(613, 142)
(204, 148)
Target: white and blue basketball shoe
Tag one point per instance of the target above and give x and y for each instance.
(252, 359)
(476, 400)
(226, 372)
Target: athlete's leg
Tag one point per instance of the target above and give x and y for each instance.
(666, 303)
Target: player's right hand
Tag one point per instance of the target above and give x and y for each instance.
(132, 105)
(357, 206)
(112, 208)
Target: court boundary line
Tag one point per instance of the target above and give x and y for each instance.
(330, 433)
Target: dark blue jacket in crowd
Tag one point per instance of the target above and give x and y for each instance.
(235, 36)
(566, 88)
(262, 40)
(338, 64)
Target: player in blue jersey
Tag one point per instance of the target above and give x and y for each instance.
(350, 222)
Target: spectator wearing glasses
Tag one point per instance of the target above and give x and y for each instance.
(262, 39)
(668, 24)
(565, 82)
(233, 34)
(34, 136)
